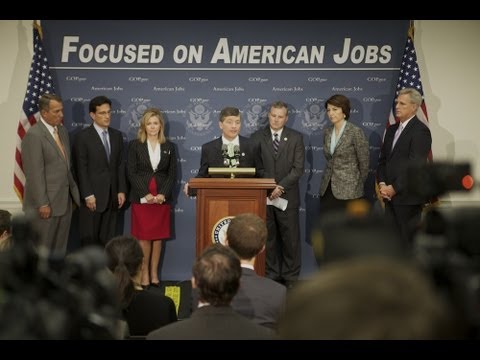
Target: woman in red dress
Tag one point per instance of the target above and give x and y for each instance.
(151, 170)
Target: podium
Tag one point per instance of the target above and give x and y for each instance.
(220, 199)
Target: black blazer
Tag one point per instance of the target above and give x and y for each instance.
(412, 147)
(212, 156)
(140, 171)
(95, 174)
(149, 310)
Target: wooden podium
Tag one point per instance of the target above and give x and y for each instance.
(219, 198)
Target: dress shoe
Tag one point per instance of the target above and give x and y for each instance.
(155, 284)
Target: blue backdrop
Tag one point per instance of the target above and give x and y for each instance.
(192, 69)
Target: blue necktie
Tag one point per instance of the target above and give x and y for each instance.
(276, 143)
(106, 145)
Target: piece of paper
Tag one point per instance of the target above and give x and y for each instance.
(279, 203)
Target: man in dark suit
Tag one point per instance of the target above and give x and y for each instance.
(216, 274)
(49, 183)
(283, 156)
(406, 143)
(100, 170)
(230, 150)
(259, 298)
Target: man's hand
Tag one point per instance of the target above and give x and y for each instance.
(91, 203)
(277, 192)
(121, 199)
(45, 211)
(387, 192)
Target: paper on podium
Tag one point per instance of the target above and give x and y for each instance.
(279, 202)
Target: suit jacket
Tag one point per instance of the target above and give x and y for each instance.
(95, 174)
(287, 166)
(412, 147)
(212, 323)
(260, 299)
(48, 178)
(140, 171)
(212, 156)
(347, 167)
(147, 311)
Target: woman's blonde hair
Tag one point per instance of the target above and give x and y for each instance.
(142, 132)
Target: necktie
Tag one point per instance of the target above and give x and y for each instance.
(231, 151)
(58, 141)
(106, 145)
(276, 142)
(397, 135)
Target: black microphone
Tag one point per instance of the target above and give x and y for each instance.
(226, 161)
(236, 153)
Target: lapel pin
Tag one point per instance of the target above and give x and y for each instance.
(285, 138)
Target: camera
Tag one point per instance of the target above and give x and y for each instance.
(446, 244)
(434, 179)
(43, 297)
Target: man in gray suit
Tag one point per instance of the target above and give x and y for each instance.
(283, 156)
(49, 183)
(259, 298)
(216, 274)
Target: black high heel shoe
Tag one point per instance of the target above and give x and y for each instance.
(155, 284)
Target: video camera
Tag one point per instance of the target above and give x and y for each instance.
(446, 244)
(42, 297)
(435, 179)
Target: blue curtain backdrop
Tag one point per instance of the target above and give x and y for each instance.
(192, 69)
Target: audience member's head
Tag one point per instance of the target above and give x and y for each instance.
(124, 259)
(366, 298)
(5, 230)
(216, 274)
(246, 235)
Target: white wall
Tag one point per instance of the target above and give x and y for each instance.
(448, 55)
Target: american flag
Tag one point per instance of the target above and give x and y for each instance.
(410, 78)
(39, 82)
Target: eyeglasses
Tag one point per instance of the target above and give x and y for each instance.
(104, 113)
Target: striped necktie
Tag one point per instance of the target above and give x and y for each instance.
(276, 142)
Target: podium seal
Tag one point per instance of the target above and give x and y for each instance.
(219, 232)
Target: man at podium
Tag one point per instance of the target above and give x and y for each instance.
(231, 150)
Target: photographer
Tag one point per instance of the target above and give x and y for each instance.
(47, 298)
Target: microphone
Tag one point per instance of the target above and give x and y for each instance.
(236, 152)
(226, 161)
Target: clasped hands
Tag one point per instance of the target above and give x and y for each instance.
(387, 192)
(157, 199)
(277, 192)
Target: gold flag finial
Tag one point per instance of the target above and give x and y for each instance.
(411, 30)
(39, 28)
